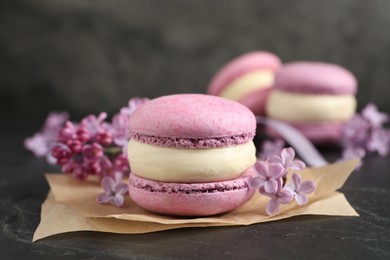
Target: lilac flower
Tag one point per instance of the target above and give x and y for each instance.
(114, 192)
(94, 124)
(121, 122)
(121, 163)
(92, 151)
(286, 159)
(268, 176)
(279, 197)
(379, 141)
(134, 103)
(365, 133)
(373, 116)
(354, 152)
(300, 189)
(38, 144)
(91, 147)
(355, 132)
(271, 178)
(76, 169)
(120, 128)
(42, 142)
(270, 148)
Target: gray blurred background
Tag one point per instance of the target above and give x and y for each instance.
(87, 56)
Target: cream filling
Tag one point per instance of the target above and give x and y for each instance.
(247, 83)
(190, 165)
(310, 107)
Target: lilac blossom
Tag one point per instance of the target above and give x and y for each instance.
(365, 133)
(42, 142)
(300, 189)
(379, 141)
(268, 176)
(353, 153)
(272, 176)
(114, 191)
(286, 159)
(94, 125)
(280, 196)
(373, 116)
(91, 147)
(355, 132)
(269, 148)
(133, 104)
(121, 122)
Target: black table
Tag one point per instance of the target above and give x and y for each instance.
(23, 188)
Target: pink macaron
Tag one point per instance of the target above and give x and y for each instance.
(247, 79)
(315, 97)
(191, 155)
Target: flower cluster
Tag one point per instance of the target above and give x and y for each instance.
(42, 142)
(365, 133)
(271, 180)
(90, 147)
(87, 148)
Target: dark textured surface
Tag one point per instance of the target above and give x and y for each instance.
(54, 54)
(23, 189)
(89, 56)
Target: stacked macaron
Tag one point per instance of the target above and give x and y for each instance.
(191, 155)
(317, 98)
(247, 79)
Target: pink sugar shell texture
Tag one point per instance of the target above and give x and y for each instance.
(195, 199)
(240, 66)
(192, 121)
(315, 78)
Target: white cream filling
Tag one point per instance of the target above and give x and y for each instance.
(296, 107)
(190, 165)
(247, 83)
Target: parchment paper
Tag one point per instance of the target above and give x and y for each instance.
(71, 206)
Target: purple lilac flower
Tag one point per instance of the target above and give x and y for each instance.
(379, 141)
(300, 189)
(286, 159)
(373, 116)
(94, 146)
(121, 122)
(271, 177)
(355, 132)
(365, 133)
(268, 176)
(114, 191)
(94, 125)
(353, 153)
(133, 104)
(269, 148)
(41, 143)
(279, 197)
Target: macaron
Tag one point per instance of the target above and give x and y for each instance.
(315, 97)
(247, 79)
(191, 155)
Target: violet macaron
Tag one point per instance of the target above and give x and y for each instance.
(315, 97)
(247, 79)
(191, 155)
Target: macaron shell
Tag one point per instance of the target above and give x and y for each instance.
(192, 116)
(187, 201)
(318, 133)
(315, 78)
(256, 101)
(240, 66)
